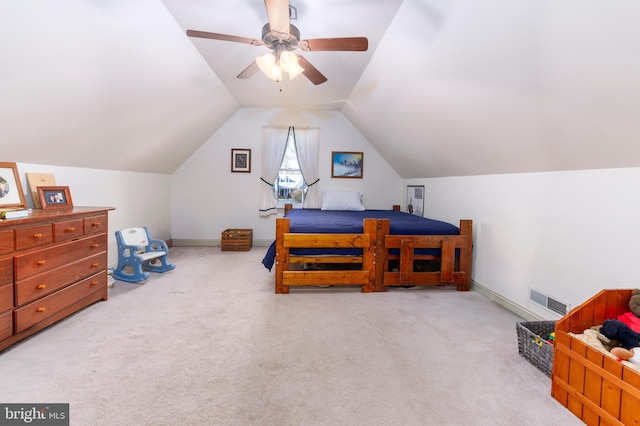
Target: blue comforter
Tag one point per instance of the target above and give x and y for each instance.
(316, 221)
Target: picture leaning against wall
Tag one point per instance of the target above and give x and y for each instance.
(415, 200)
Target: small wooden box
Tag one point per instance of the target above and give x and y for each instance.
(237, 239)
(595, 387)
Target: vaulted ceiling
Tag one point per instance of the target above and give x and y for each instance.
(447, 87)
(314, 19)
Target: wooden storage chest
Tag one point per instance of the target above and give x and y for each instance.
(595, 387)
(237, 239)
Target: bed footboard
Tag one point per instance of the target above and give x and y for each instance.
(363, 277)
(370, 270)
(455, 259)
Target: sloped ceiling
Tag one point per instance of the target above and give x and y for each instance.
(502, 86)
(448, 87)
(103, 84)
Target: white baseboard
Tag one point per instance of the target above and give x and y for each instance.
(505, 303)
(178, 242)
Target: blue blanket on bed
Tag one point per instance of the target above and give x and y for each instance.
(316, 221)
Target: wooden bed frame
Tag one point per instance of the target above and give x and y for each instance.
(370, 271)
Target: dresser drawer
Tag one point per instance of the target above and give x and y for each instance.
(6, 325)
(41, 285)
(34, 236)
(67, 230)
(6, 285)
(6, 270)
(48, 306)
(40, 261)
(6, 241)
(6, 297)
(95, 224)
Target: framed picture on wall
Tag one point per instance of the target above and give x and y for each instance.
(240, 160)
(415, 200)
(11, 194)
(345, 164)
(55, 197)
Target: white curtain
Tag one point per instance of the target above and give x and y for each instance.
(307, 148)
(274, 142)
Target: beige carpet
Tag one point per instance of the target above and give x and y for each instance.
(211, 344)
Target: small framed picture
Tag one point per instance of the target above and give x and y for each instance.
(11, 194)
(240, 160)
(55, 197)
(346, 164)
(415, 200)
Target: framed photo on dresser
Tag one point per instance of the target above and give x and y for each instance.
(11, 195)
(34, 180)
(55, 197)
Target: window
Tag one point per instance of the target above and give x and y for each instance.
(289, 186)
(286, 155)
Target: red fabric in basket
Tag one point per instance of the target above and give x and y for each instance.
(631, 320)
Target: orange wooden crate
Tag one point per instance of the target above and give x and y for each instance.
(237, 239)
(596, 388)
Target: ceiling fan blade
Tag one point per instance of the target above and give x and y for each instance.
(249, 71)
(224, 37)
(278, 12)
(343, 44)
(311, 72)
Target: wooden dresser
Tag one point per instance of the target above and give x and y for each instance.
(52, 264)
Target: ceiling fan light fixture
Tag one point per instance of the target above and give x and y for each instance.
(273, 66)
(265, 62)
(269, 66)
(295, 72)
(288, 61)
(276, 73)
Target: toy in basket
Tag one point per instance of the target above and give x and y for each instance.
(535, 343)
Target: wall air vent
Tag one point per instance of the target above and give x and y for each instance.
(548, 302)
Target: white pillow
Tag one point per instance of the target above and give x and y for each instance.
(342, 200)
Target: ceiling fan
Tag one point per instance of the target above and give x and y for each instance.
(283, 38)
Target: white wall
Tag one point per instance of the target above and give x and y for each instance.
(566, 234)
(208, 198)
(139, 199)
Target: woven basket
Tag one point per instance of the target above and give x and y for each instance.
(533, 345)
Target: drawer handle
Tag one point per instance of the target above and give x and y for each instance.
(94, 282)
(95, 245)
(95, 265)
(36, 236)
(70, 229)
(41, 262)
(42, 309)
(41, 287)
(95, 224)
